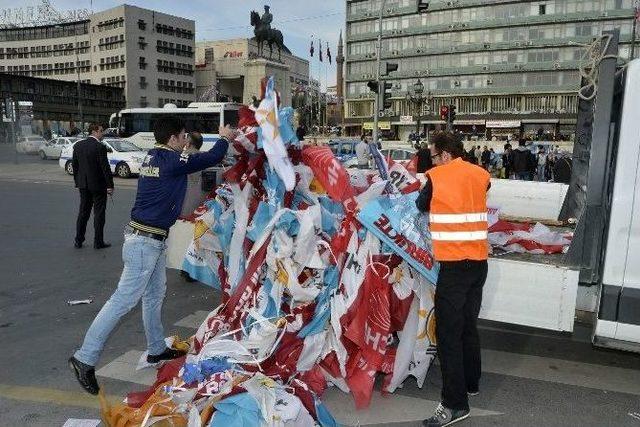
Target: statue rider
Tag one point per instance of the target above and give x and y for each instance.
(266, 19)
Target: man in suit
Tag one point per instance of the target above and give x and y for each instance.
(92, 175)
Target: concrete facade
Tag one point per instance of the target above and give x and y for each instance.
(147, 53)
(509, 66)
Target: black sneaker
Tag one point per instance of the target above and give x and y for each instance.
(445, 417)
(85, 374)
(167, 354)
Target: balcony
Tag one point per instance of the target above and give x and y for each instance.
(475, 47)
(498, 23)
(457, 91)
(474, 69)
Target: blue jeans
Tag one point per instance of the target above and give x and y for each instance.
(523, 176)
(143, 277)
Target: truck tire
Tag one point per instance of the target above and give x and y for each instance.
(123, 170)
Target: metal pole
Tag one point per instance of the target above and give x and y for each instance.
(376, 102)
(14, 115)
(636, 7)
(75, 32)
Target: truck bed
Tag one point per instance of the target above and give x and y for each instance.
(548, 259)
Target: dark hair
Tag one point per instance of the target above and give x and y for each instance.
(446, 141)
(195, 139)
(522, 142)
(93, 127)
(363, 137)
(164, 129)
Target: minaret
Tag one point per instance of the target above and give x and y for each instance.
(339, 77)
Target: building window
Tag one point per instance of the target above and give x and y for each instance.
(142, 25)
(542, 9)
(143, 101)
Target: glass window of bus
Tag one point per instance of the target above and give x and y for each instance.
(201, 122)
(231, 118)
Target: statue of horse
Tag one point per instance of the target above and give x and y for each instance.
(268, 35)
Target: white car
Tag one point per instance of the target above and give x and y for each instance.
(29, 144)
(125, 158)
(53, 148)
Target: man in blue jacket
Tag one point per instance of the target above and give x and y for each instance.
(161, 190)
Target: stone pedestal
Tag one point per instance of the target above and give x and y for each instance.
(258, 68)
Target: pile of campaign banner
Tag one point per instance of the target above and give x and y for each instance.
(327, 279)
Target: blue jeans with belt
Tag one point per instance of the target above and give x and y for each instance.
(143, 277)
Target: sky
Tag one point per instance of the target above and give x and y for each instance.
(299, 21)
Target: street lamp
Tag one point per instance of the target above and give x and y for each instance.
(79, 89)
(417, 98)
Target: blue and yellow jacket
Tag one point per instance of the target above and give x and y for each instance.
(163, 183)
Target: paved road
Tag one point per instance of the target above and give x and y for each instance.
(531, 378)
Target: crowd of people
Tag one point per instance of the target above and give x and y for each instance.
(522, 163)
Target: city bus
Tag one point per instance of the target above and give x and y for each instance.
(136, 124)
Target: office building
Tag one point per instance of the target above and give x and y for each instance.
(509, 67)
(147, 53)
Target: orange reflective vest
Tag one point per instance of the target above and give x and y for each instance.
(458, 212)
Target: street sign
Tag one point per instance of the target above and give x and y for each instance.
(406, 120)
(381, 125)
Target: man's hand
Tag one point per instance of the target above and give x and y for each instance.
(109, 190)
(227, 132)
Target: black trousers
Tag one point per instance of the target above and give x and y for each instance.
(457, 304)
(88, 200)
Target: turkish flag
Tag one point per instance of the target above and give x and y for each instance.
(331, 174)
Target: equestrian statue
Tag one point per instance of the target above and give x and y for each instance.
(264, 33)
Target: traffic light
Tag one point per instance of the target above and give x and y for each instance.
(452, 113)
(390, 67)
(422, 6)
(373, 86)
(385, 96)
(444, 113)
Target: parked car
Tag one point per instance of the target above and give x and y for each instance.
(125, 158)
(53, 148)
(29, 144)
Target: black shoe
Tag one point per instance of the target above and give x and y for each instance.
(86, 375)
(167, 354)
(77, 245)
(101, 245)
(445, 417)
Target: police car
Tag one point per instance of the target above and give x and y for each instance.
(125, 158)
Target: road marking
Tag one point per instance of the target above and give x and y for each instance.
(123, 368)
(560, 371)
(57, 397)
(384, 410)
(193, 320)
(78, 422)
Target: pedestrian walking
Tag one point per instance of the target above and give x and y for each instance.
(455, 195)
(541, 161)
(161, 189)
(363, 153)
(485, 158)
(522, 162)
(93, 178)
(507, 161)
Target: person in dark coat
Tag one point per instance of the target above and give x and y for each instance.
(92, 175)
(424, 159)
(522, 161)
(301, 132)
(507, 161)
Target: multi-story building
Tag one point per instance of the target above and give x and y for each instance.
(510, 67)
(149, 54)
(226, 63)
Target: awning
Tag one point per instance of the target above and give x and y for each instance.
(540, 121)
(503, 124)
